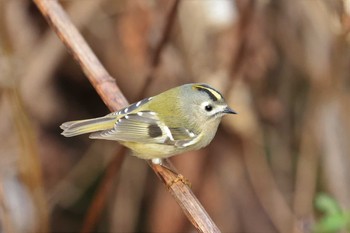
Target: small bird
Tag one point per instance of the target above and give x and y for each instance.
(181, 119)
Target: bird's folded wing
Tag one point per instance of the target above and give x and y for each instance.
(145, 127)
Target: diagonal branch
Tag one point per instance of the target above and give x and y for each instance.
(103, 83)
(107, 88)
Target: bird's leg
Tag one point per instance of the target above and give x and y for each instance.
(179, 177)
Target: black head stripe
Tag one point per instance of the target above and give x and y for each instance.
(212, 93)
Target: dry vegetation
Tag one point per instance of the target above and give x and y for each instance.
(284, 66)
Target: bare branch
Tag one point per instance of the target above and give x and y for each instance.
(185, 198)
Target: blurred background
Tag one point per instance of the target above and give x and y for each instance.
(281, 164)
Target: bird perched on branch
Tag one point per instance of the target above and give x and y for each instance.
(181, 119)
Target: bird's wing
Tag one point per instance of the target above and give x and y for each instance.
(145, 127)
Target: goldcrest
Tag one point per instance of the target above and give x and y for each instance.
(181, 119)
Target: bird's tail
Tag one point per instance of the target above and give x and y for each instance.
(74, 128)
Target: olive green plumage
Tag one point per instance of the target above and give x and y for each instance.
(181, 119)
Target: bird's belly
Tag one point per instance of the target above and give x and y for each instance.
(151, 151)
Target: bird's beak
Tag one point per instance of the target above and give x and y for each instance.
(228, 110)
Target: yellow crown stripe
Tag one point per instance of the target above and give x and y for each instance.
(214, 94)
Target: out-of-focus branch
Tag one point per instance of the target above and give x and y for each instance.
(167, 27)
(106, 87)
(269, 196)
(28, 168)
(49, 51)
(95, 210)
(98, 76)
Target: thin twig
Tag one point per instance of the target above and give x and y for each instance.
(167, 27)
(104, 189)
(106, 87)
(245, 14)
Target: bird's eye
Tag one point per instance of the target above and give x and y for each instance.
(208, 108)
